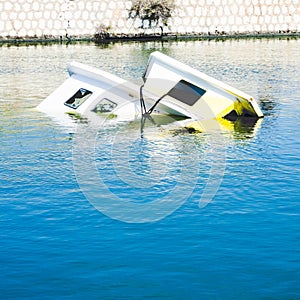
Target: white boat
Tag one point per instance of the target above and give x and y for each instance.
(169, 87)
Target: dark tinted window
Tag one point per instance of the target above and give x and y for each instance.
(78, 98)
(186, 92)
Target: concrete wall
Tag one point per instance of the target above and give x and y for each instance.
(29, 18)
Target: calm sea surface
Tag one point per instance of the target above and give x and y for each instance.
(228, 224)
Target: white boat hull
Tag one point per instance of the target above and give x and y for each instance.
(182, 90)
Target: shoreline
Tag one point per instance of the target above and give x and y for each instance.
(141, 38)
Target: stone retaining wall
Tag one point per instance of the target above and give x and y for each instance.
(32, 18)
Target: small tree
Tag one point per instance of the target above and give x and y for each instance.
(152, 13)
(102, 32)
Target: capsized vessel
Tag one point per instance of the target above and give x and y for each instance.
(169, 87)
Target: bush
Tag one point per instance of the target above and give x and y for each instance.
(152, 13)
(101, 32)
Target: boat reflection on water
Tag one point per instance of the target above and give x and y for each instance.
(246, 128)
(239, 129)
(242, 128)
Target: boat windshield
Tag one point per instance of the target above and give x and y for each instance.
(186, 92)
(78, 98)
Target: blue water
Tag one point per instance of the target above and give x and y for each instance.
(244, 243)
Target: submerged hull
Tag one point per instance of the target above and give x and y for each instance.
(169, 87)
